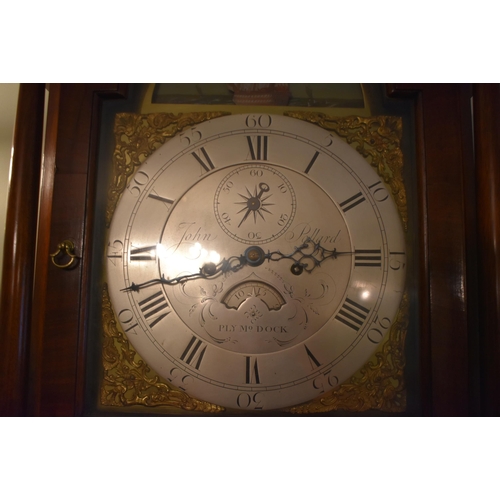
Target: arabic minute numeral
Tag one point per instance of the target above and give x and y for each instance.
(375, 335)
(379, 192)
(191, 136)
(249, 401)
(254, 236)
(282, 220)
(115, 251)
(263, 121)
(137, 184)
(397, 263)
(126, 317)
(325, 382)
(225, 218)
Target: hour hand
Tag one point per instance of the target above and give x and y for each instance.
(207, 271)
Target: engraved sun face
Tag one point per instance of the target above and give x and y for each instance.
(255, 203)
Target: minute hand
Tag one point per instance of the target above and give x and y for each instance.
(209, 270)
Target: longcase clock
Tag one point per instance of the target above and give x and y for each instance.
(252, 203)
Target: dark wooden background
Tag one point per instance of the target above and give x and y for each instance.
(44, 309)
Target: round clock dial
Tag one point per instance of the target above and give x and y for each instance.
(256, 261)
(255, 204)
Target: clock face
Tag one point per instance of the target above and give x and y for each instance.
(256, 261)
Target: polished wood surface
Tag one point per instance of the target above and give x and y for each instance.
(19, 251)
(447, 315)
(487, 148)
(66, 212)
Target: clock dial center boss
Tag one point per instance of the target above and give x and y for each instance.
(255, 261)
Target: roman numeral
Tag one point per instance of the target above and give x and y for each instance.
(312, 358)
(259, 152)
(252, 370)
(155, 196)
(143, 253)
(194, 352)
(206, 163)
(311, 163)
(367, 258)
(352, 314)
(153, 305)
(352, 202)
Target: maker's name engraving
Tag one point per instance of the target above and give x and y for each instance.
(303, 231)
(191, 232)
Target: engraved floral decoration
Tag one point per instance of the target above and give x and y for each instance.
(253, 314)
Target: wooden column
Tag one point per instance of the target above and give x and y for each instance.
(19, 251)
(487, 152)
(60, 316)
(447, 235)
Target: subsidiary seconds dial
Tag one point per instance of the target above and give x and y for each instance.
(255, 203)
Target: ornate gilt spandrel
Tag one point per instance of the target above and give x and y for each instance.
(128, 380)
(379, 385)
(137, 137)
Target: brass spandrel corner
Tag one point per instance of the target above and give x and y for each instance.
(376, 138)
(127, 380)
(379, 385)
(137, 137)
